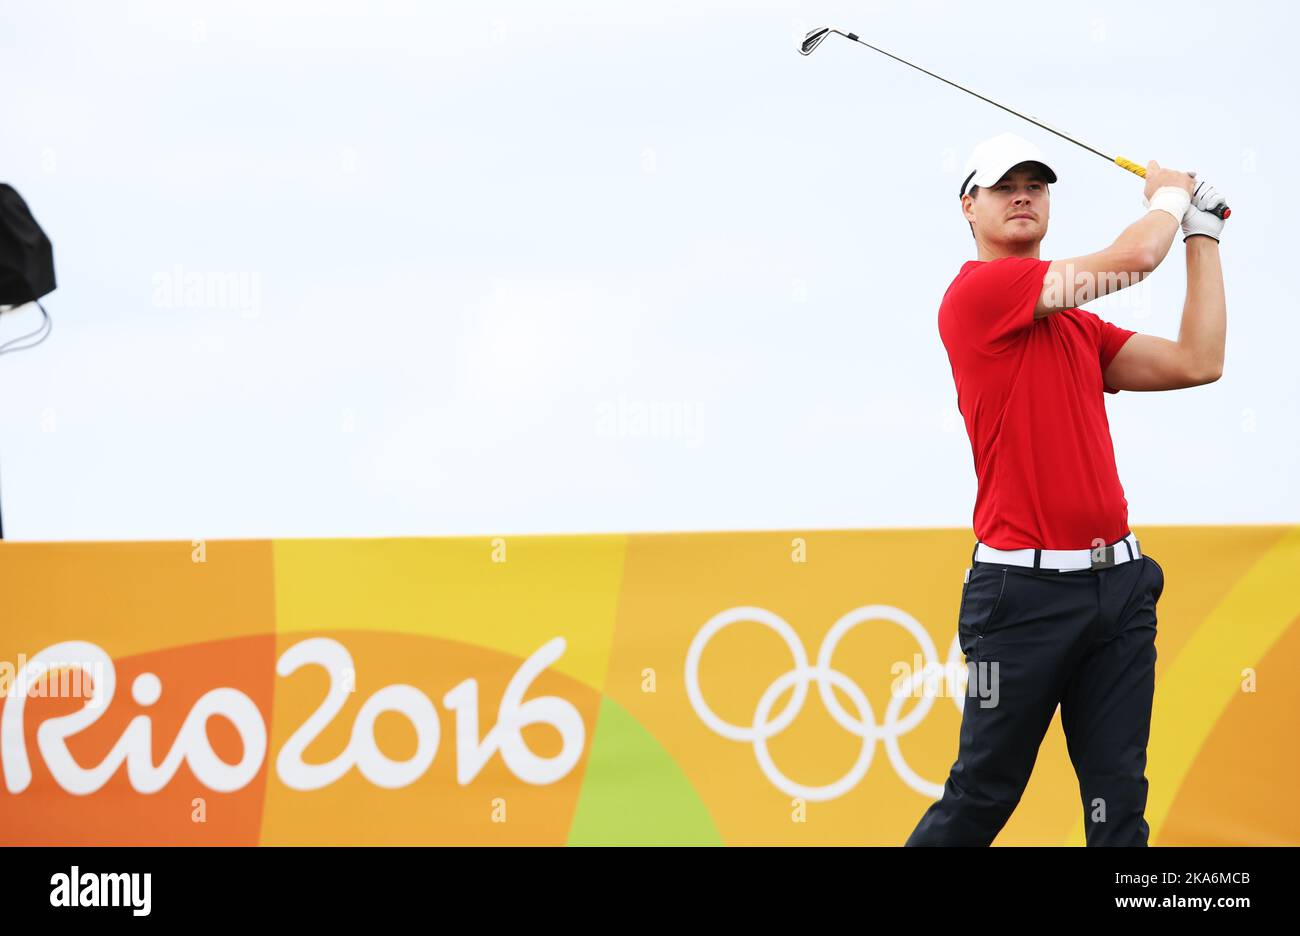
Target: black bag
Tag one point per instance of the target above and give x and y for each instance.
(26, 257)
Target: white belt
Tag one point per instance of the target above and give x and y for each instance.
(1063, 560)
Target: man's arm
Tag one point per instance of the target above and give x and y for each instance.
(1147, 362)
(1135, 253)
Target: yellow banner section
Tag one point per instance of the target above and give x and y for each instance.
(719, 688)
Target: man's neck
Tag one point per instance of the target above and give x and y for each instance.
(989, 252)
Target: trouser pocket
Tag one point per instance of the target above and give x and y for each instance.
(981, 596)
(1160, 575)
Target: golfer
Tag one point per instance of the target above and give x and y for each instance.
(1059, 604)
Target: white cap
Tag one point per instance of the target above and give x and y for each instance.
(992, 158)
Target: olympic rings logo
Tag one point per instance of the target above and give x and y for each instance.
(864, 726)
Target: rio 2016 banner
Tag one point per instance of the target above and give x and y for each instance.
(642, 689)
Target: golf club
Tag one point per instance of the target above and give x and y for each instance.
(815, 37)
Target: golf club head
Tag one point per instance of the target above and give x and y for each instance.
(814, 39)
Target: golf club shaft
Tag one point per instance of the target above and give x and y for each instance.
(1221, 211)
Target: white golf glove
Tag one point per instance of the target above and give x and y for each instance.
(1198, 219)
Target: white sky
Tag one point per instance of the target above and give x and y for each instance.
(478, 240)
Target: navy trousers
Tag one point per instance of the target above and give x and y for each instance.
(1082, 639)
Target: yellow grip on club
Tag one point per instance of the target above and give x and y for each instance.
(1131, 166)
(1223, 211)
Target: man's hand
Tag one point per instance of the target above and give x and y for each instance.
(1198, 219)
(1157, 177)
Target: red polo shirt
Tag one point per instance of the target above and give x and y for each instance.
(1031, 392)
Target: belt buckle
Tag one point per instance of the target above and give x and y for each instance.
(1107, 559)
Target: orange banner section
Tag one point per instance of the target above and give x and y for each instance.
(723, 688)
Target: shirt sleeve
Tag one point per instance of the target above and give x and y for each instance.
(995, 302)
(1110, 338)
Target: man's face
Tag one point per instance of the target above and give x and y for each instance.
(1013, 210)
